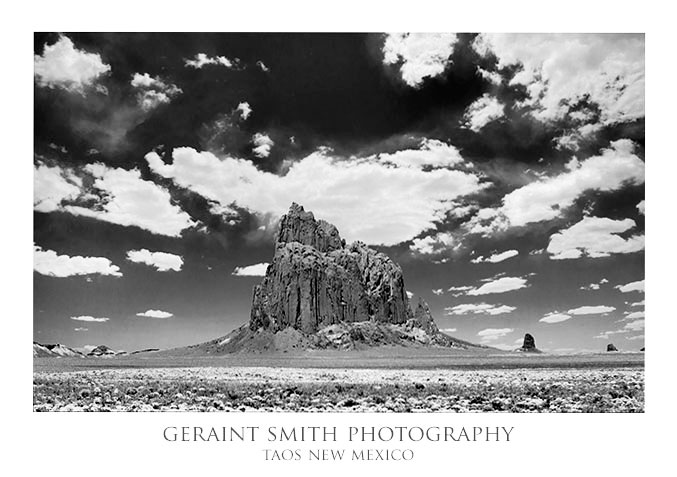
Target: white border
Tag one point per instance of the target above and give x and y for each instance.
(127, 444)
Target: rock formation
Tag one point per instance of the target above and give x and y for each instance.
(611, 347)
(320, 293)
(315, 280)
(529, 345)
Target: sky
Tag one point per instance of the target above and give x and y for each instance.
(503, 172)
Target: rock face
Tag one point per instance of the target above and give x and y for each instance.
(611, 347)
(316, 280)
(529, 345)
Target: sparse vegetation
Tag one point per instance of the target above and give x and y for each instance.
(337, 390)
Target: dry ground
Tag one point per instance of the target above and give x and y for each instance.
(335, 382)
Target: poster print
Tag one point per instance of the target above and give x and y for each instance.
(339, 222)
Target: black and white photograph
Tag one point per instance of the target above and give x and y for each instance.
(339, 222)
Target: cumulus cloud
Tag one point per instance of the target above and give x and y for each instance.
(497, 257)
(420, 55)
(499, 285)
(555, 317)
(479, 309)
(483, 111)
(547, 198)
(595, 286)
(432, 244)
(262, 145)
(492, 334)
(438, 291)
(121, 192)
(61, 65)
(155, 314)
(632, 286)
(591, 310)
(153, 91)
(202, 59)
(638, 303)
(431, 152)
(459, 290)
(89, 319)
(641, 207)
(162, 261)
(559, 69)
(448, 330)
(80, 329)
(594, 237)
(48, 262)
(409, 200)
(244, 109)
(52, 186)
(256, 270)
(634, 315)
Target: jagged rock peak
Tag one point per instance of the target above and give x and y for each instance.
(529, 342)
(424, 317)
(314, 280)
(300, 226)
(610, 347)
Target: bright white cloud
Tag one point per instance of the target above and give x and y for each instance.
(479, 309)
(47, 262)
(594, 237)
(492, 334)
(459, 290)
(638, 303)
(407, 202)
(420, 55)
(499, 285)
(559, 69)
(483, 111)
(162, 261)
(64, 66)
(155, 314)
(448, 330)
(497, 257)
(432, 244)
(438, 291)
(80, 329)
(591, 310)
(202, 59)
(431, 152)
(244, 109)
(634, 315)
(153, 91)
(256, 270)
(262, 145)
(262, 65)
(641, 207)
(547, 198)
(555, 317)
(632, 286)
(52, 186)
(122, 192)
(89, 319)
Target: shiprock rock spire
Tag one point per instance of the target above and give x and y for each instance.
(315, 280)
(319, 292)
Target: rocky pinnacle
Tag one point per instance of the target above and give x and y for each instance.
(316, 280)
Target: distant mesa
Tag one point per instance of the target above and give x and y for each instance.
(529, 345)
(611, 347)
(320, 293)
